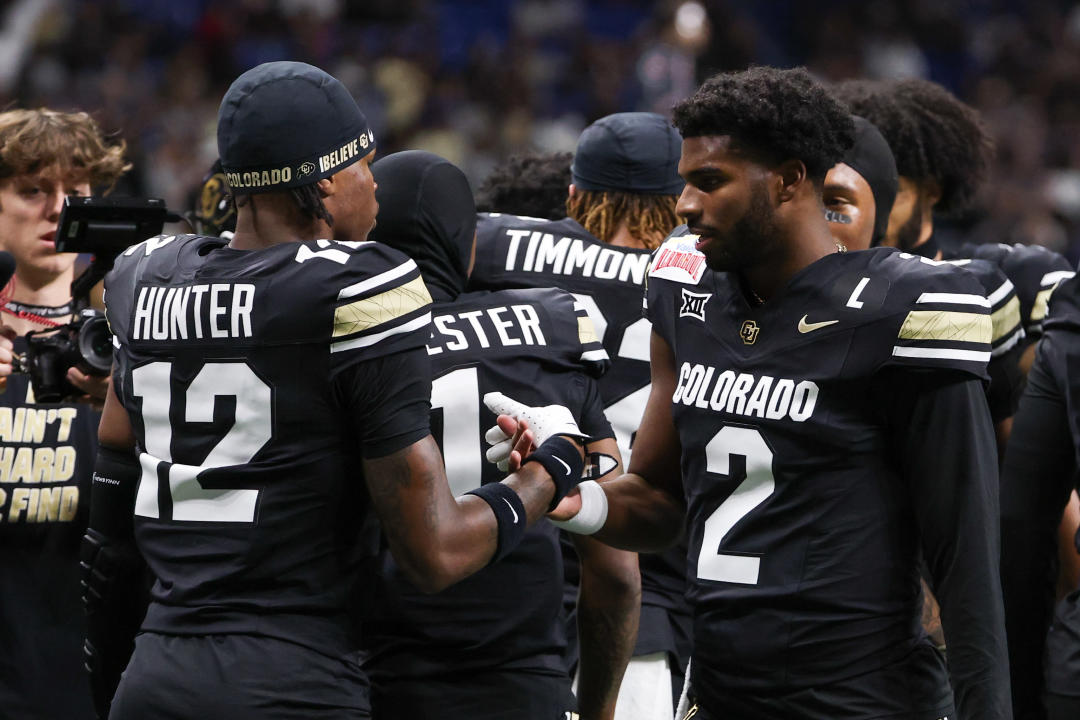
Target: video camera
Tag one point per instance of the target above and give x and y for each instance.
(104, 227)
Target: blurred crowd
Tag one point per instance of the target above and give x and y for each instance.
(477, 80)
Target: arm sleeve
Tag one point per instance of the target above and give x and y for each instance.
(388, 400)
(1035, 484)
(949, 460)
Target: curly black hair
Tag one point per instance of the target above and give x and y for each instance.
(773, 114)
(533, 184)
(932, 134)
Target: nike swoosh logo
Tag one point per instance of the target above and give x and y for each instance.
(563, 463)
(511, 509)
(805, 327)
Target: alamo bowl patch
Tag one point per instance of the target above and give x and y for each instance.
(679, 262)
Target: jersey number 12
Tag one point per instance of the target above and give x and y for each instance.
(250, 431)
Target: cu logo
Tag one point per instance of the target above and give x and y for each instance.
(749, 332)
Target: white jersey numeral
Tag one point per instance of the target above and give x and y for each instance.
(458, 394)
(251, 429)
(755, 489)
(625, 414)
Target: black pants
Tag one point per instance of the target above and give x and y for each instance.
(502, 695)
(236, 677)
(1061, 707)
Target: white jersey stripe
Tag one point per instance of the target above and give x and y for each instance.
(369, 340)
(941, 353)
(594, 355)
(954, 299)
(1054, 277)
(1008, 344)
(1001, 292)
(374, 282)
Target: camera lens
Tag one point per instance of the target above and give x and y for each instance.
(95, 345)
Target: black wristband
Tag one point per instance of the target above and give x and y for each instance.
(562, 460)
(509, 516)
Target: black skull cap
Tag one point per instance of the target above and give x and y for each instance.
(632, 152)
(284, 124)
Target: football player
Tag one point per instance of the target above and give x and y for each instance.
(1040, 472)
(264, 388)
(491, 646)
(943, 152)
(825, 413)
(621, 202)
(530, 184)
(858, 194)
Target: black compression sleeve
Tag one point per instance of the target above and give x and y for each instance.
(949, 459)
(1035, 485)
(113, 574)
(388, 400)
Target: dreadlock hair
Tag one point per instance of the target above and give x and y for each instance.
(648, 218)
(771, 114)
(308, 202)
(532, 184)
(932, 134)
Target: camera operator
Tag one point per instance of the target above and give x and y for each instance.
(46, 450)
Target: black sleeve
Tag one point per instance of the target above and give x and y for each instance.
(115, 580)
(947, 452)
(1035, 486)
(590, 417)
(1006, 383)
(387, 400)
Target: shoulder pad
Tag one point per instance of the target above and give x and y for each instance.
(938, 316)
(1008, 330)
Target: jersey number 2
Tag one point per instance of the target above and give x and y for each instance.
(250, 430)
(755, 489)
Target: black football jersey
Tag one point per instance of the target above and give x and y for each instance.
(47, 456)
(538, 347)
(1040, 471)
(251, 497)
(1007, 336)
(1035, 271)
(519, 252)
(803, 554)
(523, 252)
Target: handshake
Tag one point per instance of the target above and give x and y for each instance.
(519, 431)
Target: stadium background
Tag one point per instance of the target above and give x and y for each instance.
(476, 80)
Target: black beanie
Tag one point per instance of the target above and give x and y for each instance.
(284, 124)
(871, 157)
(426, 211)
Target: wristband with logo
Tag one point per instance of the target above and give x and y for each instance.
(563, 462)
(509, 516)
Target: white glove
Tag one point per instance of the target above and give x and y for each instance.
(544, 422)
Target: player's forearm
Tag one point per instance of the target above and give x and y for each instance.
(609, 606)
(641, 517)
(436, 539)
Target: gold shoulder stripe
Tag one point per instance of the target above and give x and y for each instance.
(378, 309)
(946, 325)
(586, 331)
(1006, 318)
(1042, 304)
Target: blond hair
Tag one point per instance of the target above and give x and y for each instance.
(649, 218)
(41, 139)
